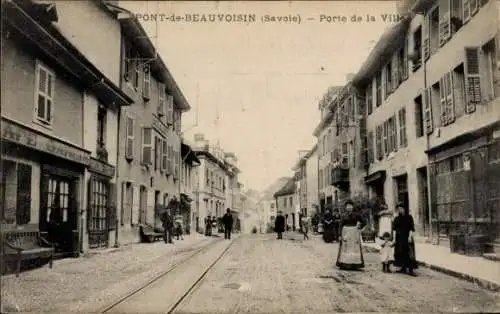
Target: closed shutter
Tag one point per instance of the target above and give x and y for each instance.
(170, 109)
(426, 43)
(90, 204)
(450, 105)
(147, 138)
(129, 144)
(164, 155)
(444, 21)
(146, 86)
(442, 101)
(427, 100)
(378, 142)
(385, 136)
(135, 205)
(472, 79)
(394, 133)
(112, 208)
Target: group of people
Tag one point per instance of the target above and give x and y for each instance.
(227, 221)
(172, 227)
(398, 248)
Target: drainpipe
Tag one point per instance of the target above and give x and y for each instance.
(116, 174)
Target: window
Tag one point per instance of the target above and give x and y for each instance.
(345, 156)
(426, 30)
(470, 8)
(403, 62)
(272, 205)
(427, 115)
(369, 144)
(146, 82)
(378, 91)
(127, 202)
(369, 99)
(458, 86)
(447, 108)
(489, 76)
(170, 109)
(403, 141)
(129, 144)
(385, 136)
(164, 155)
(162, 110)
(434, 29)
(291, 201)
(177, 121)
(388, 80)
(444, 23)
(417, 49)
(472, 79)
(98, 204)
(378, 142)
(456, 15)
(44, 106)
(16, 193)
(147, 146)
(101, 126)
(419, 117)
(157, 149)
(394, 130)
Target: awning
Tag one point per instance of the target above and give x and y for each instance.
(376, 176)
(186, 198)
(189, 156)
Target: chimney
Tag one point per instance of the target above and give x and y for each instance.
(230, 158)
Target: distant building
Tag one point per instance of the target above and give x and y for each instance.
(189, 187)
(286, 200)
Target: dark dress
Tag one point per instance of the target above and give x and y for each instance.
(350, 255)
(228, 225)
(328, 230)
(279, 225)
(404, 252)
(337, 220)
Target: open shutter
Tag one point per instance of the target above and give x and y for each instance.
(427, 100)
(395, 72)
(444, 21)
(472, 79)
(466, 10)
(90, 204)
(170, 109)
(147, 139)
(129, 144)
(124, 204)
(378, 139)
(164, 156)
(158, 153)
(450, 104)
(474, 7)
(442, 101)
(404, 66)
(369, 99)
(146, 86)
(161, 100)
(369, 143)
(112, 208)
(394, 133)
(426, 43)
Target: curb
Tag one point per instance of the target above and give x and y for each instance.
(486, 284)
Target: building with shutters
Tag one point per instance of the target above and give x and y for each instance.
(286, 201)
(189, 188)
(59, 130)
(431, 86)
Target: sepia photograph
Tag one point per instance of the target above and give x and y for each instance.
(249, 157)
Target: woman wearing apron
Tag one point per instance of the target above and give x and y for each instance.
(350, 254)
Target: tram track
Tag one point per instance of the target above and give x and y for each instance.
(192, 287)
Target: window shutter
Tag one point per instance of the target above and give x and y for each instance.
(385, 136)
(395, 72)
(394, 133)
(378, 140)
(427, 100)
(458, 86)
(472, 79)
(164, 155)
(370, 144)
(161, 99)
(146, 86)
(23, 212)
(90, 202)
(405, 59)
(129, 144)
(369, 98)
(147, 138)
(158, 144)
(425, 37)
(450, 104)
(444, 21)
(170, 109)
(474, 7)
(466, 10)
(387, 87)
(124, 203)
(442, 100)
(112, 208)
(170, 166)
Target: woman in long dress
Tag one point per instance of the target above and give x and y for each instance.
(403, 227)
(350, 255)
(328, 227)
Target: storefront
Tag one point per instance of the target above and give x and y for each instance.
(465, 186)
(41, 179)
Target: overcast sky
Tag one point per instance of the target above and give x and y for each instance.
(264, 80)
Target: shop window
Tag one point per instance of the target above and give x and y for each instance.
(99, 189)
(16, 193)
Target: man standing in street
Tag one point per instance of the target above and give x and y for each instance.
(279, 225)
(228, 224)
(167, 226)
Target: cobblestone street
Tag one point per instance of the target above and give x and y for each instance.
(261, 274)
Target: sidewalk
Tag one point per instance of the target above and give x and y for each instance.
(100, 277)
(478, 270)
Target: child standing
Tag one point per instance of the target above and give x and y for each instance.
(386, 252)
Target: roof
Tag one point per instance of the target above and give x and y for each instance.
(268, 193)
(136, 33)
(391, 40)
(189, 156)
(327, 99)
(287, 189)
(34, 22)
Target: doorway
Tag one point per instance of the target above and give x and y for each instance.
(423, 200)
(402, 190)
(58, 212)
(98, 212)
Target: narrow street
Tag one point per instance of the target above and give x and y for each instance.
(260, 274)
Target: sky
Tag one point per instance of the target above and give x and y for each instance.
(262, 80)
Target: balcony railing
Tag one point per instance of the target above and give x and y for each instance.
(340, 177)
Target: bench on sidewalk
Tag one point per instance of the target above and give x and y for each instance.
(21, 245)
(150, 234)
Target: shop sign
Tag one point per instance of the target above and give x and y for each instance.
(27, 138)
(100, 167)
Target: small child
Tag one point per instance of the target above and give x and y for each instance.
(386, 252)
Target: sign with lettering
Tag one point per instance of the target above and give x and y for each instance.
(100, 167)
(160, 127)
(25, 137)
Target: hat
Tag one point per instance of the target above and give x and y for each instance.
(347, 202)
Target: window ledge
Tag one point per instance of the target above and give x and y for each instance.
(44, 124)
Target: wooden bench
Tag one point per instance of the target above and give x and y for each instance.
(20, 245)
(149, 234)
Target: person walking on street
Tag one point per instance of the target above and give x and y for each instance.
(403, 228)
(208, 226)
(178, 228)
(328, 227)
(167, 226)
(228, 224)
(279, 225)
(305, 227)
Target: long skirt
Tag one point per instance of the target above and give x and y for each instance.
(328, 235)
(404, 254)
(350, 254)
